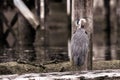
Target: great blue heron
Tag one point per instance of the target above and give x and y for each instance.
(79, 43)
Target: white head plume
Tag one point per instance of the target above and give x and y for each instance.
(80, 22)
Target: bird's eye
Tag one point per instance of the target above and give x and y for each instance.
(78, 21)
(86, 32)
(82, 26)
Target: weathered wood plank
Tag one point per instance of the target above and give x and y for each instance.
(83, 75)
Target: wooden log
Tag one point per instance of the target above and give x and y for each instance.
(83, 75)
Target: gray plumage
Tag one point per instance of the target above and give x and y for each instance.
(79, 46)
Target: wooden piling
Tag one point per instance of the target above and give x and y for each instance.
(25, 40)
(84, 9)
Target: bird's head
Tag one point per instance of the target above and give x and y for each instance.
(80, 23)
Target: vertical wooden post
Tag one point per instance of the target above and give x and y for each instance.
(46, 29)
(37, 8)
(41, 41)
(42, 28)
(77, 12)
(69, 6)
(26, 39)
(118, 29)
(89, 16)
(108, 30)
(2, 40)
(84, 9)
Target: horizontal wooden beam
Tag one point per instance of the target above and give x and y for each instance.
(83, 75)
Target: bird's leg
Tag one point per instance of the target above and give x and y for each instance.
(84, 67)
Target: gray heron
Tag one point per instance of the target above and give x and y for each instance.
(79, 43)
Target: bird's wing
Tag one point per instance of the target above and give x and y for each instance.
(79, 41)
(79, 47)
